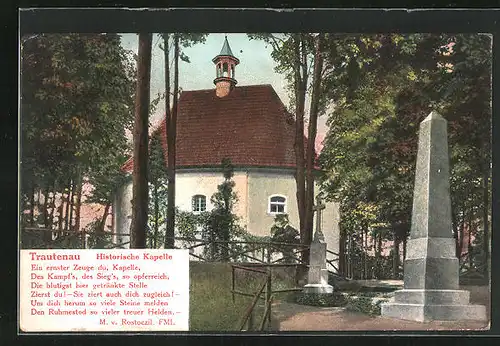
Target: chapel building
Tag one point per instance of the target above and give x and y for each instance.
(249, 125)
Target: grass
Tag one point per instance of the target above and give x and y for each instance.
(211, 302)
(212, 308)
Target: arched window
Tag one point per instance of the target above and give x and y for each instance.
(219, 70)
(277, 204)
(199, 203)
(232, 72)
(225, 70)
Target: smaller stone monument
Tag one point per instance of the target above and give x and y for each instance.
(431, 290)
(317, 279)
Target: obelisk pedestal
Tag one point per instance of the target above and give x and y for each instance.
(317, 279)
(431, 268)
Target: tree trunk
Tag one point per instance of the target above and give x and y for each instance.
(32, 207)
(469, 241)
(100, 232)
(140, 176)
(67, 207)
(395, 259)
(455, 222)
(72, 205)
(78, 208)
(300, 91)
(379, 255)
(486, 247)
(461, 237)
(311, 138)
(405, 241)
(225, 230)
(365, 254)
(342, 253)
(349, 256)
(171, 144)
(352, 268)
(45, 207)
(52, 206)
(49, 220)
(166, 49)
(60, 216)
(157, 216)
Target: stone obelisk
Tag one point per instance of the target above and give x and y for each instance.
(431, 268)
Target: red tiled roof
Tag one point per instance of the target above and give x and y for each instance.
(250, 126)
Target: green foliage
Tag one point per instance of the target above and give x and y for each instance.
(217, 226)
(365, 304)
(211, 307)
(382, 87)
(282, 232)
(185, 41)
(188, 223)
(284, 56)
(316, 299)
(98, 239)
(157, 179)
(77, 99)
(35, 240)
(221, 224)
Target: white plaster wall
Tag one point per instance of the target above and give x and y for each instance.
(262, 185)
(189, 184)
(253, 190)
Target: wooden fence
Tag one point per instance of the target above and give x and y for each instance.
(247, 321)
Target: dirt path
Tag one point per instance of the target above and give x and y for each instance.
(289, 316)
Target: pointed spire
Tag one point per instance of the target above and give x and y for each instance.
(226, 50)
(434, 116)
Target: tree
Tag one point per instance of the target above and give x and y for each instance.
(295, 55)
(283, 232)
(370, 149)
(77, 96)
(184, 40)
(312, 130)
(467, 88)
(140, 173)
(157, 193)
(220, 225)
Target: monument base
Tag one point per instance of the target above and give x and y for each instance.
(433, 305)
(318, 289)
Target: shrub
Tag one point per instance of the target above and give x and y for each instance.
(364, 304)
(317, 299)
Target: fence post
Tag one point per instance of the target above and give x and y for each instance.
(250, 321)
(269, 292)
(269, 287)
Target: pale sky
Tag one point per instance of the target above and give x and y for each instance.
(256, 67)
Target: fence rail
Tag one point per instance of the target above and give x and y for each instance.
(256, 252)
(248, 316)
